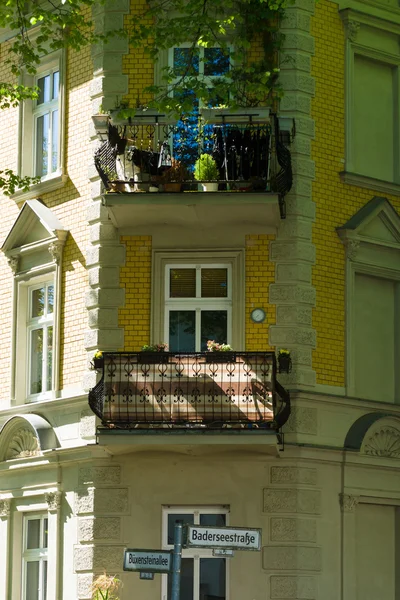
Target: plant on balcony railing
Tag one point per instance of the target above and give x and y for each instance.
(207, 172)
(188, 390)
(284, 361)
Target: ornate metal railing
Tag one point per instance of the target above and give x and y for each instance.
(191, 389)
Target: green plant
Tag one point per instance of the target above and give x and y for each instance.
(162, 347)
(176, 172)
(106, 587)
(215, 347)
(206, 168)
(98, 354)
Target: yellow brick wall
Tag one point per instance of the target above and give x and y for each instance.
(335, 202)
(135, 277)
(260, 272)
(137, 64)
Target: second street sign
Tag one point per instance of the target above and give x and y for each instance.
(235, 538)
(151, 561)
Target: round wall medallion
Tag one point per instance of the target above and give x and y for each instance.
(258, 315)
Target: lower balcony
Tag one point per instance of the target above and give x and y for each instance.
(198, 393)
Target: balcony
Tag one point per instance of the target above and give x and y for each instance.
(202, 392)
(145, 187)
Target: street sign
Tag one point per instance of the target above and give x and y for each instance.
(234, 538)
(223, 552)
(150, 561)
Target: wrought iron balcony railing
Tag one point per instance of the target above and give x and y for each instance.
(189, 389)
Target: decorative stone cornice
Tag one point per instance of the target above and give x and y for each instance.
(384, 442)
(53, 500)
(348, 502)
(13, 261)
(23, 445)
(352, 248)
(352, 29)
(55, 250)
(5, 507)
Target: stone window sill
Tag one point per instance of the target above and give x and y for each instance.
(48, 185)
(370, 183)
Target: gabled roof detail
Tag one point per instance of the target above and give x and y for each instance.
(377, 222)
(34, 224)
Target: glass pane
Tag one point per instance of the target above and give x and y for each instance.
(44, 89)
(182, 283)
(32, 581)
(42, 143)
(33, 534)
(186, 61)
(186, 591)
(54, 141)
(50, 298)
(214, 326)
(56, 84)
(214, 283)
(182, 331)
(45, 532)
(216, 62)
(186, 518)
(49, 366)
(212, 579)
(185, 140)
(44, 582)
(36, 361)
(37, 299)
(213, 520)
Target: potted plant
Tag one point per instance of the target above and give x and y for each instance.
(284, 361)
(206, 170)
(173, 177)
(153, 354)
(98, 360)
(219, 352)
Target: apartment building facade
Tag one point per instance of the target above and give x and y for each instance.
(96, 458)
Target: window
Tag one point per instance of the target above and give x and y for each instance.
(41, 142)
(203, 576)
(40, 327)
(373, 101)
(34, 557)
(198, 306)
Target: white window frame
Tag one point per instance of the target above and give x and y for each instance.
(40, 110)
(206, 78)
(195, 553)
(27, 128)
(35, 555)
(236, 261)
(198, 304)
(40, 323)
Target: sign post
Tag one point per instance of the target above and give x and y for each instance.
(177, 560)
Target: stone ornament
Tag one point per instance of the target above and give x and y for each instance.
(55, 250)
(348, 502)
(384, 442)
(5, 507)
(23, 445)
(352, 29)
(53, 500)
(352, 248)
(13, 261)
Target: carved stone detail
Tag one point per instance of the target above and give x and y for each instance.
(98, 558)
(102, 501)
(292, 501)
(285, 529)
(299, 588)
(99, 528)
(13, 261)
(352, 248)
(291, 558)
(100, 475)
(53, 500)
(293, 475)
(384, 442)
(302, 420)
(55, 250)
(5, 507)
(352, 29)
(348, 502)
(23, 444)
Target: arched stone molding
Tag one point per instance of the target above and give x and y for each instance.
(23, 436)
(375, 434)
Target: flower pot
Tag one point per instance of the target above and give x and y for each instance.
(152, 358)
(98, 363)
(210, 187)
(119, 186)
(284, 364)
(173, 186)
(220, 357)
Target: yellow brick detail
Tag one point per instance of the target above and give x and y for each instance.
(260, 273)
(135, 277)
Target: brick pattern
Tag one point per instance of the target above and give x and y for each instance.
(260, 273)
(135, 277)
(335, 201)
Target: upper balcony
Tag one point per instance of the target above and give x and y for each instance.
(151, 174)
(231, 393)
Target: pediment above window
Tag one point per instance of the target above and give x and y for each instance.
(36, 238)
(25, 436)
(376, 224)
